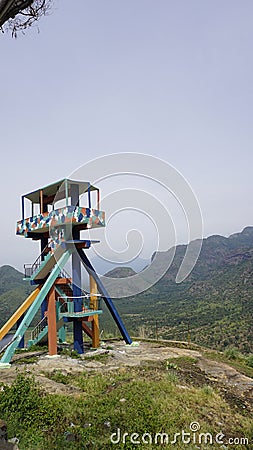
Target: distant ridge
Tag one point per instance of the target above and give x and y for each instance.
(215, 303)
(121, 272)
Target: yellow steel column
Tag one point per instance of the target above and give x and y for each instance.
(94, 306)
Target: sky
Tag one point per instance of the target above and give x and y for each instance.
(171, 79)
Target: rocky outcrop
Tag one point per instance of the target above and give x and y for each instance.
(6, 444)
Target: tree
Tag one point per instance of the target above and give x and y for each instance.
(18, 15)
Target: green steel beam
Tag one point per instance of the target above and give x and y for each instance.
(6, 358)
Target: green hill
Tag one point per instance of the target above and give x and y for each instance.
(13, 291)
(214, 304)
(10, 278)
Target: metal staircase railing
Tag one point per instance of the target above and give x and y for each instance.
(64, 274)
(30, 269)
(41, 325)
(67, 305)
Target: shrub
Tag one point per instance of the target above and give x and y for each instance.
(232, 353)
(25, 408)
(249, 361)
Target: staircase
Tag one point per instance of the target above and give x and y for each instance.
(38, 332)
(64, 293)
(66, 290)
(30, 269)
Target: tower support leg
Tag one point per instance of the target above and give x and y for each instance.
(43, 244)
(78, 302)
(76, 278)
(94, 306)
(108, 301)
(51, 319)
(62, 334)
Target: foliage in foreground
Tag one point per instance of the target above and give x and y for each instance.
(148, 399)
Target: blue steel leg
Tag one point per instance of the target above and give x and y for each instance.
(43, 308)
(108, 301)
(43, 244)
(76, 287)
(76, 278)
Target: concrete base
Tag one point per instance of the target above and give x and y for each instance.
(133, 344)
(5, 365)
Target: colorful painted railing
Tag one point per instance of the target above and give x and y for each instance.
(92, 218)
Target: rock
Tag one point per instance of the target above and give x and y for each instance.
(4, 445)
(94, 364)
(69, 437)
(3, 430)
(15, 447)
(14, 440)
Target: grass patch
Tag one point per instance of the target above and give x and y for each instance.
(37, 348)
(27, 360)
(249, 361)
(70, 353)
(102, 357)
(59, 377)
(144, 399)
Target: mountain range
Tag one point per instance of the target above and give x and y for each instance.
(212, 307)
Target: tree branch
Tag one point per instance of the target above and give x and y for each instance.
(10, 8)
(18, 15)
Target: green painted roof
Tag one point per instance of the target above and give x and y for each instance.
(59, 188)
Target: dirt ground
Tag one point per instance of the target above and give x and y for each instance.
(116, 354)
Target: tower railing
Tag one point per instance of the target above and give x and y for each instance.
(30, 269)
(38, 328)
(87, 304)
(64, 274)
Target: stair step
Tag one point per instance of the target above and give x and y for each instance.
(40, 336)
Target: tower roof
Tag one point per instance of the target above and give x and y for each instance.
(59, 188)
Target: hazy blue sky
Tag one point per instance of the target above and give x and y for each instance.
(168, 78)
